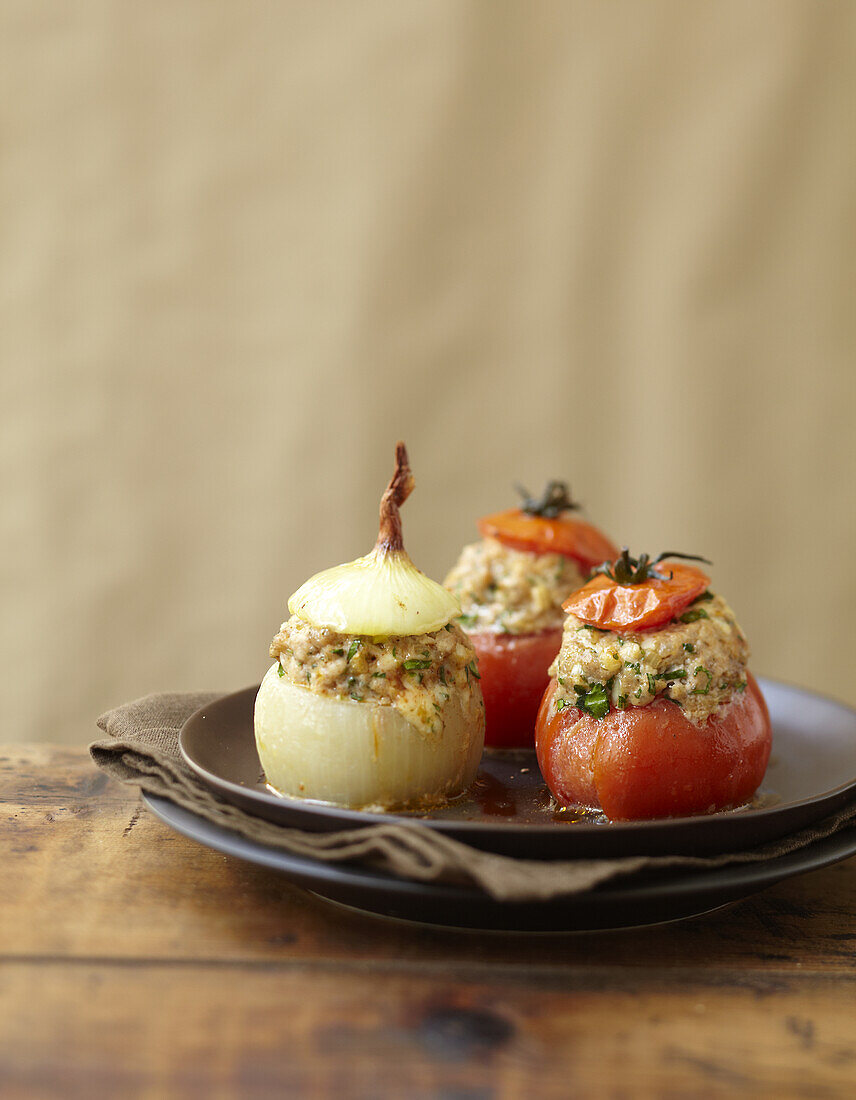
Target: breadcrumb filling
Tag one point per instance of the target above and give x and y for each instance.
(700, 664)
(416, 674)
(508, 591)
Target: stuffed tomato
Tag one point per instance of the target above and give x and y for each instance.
(651, 710)
(511, 586)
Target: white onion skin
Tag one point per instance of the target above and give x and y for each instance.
(382, 594)
(362, 754)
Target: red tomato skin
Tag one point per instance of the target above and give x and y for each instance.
(651, 761)
(513, 670)
(573, 538)
(646, 606)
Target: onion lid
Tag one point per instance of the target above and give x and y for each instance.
(383, 593)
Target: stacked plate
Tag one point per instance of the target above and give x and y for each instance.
(812, 774)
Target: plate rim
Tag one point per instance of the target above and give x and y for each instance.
(348, 816)
(755, 874)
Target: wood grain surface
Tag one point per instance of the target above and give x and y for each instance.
(137, 963)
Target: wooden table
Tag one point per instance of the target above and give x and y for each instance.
(137, 963)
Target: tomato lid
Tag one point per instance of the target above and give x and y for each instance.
(645, 604)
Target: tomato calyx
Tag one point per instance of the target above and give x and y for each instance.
(555, 499)
(629, 570)
(632, 595)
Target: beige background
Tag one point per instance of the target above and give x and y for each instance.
(245, 246)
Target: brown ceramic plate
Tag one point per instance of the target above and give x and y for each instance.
(508, 810)
(646, 898)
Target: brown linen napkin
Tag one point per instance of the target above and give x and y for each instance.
(141, 748)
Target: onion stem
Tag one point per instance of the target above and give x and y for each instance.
(382, 594)
(390, 539)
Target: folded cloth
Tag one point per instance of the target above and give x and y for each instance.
(141, 749)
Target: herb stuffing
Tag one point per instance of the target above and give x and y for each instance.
(509, 591)
(414, 674)
(698, 662)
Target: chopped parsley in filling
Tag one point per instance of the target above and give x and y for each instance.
(698, 661)
(417, 674)
(508, 591)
